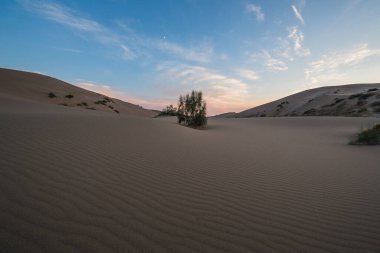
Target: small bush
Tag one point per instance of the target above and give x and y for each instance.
(372, 89)
(79, 104)
(91, 108)
(64, 104)
(192, 109)
(52, 95)
(116, 111)
(361, 102)
(365, 96)
(369, 136)
(168, 111)
(355, 96)
(69, 96)
(310, 112)
(101, 102)
(84, 104)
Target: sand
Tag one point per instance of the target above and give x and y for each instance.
(36, 87)
(322, 101)
(89, 181)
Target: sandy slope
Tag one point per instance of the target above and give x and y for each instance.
(89, 181)
(343, 100)
(36, 87)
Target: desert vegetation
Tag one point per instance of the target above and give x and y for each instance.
(51, 95)
(192, 109)
(368, 136)
(169, 110)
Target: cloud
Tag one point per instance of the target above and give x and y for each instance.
(71, 50)
(72, 19)
(222, 93)
(297, 37)
(247, 74)
(269, 62)
(62, 15)
(127, 53)
(255, 9)
(298, 15)
(130, 45)
(199, 55)
(336, 66)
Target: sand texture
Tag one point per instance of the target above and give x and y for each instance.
(89, 181)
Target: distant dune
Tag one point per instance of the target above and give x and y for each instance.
(46, 89)
(75, 180)
(346, 100)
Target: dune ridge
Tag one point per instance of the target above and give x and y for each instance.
(91, 181)
(38, 87)
(353, 100)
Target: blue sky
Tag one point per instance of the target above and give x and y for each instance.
(240, 53)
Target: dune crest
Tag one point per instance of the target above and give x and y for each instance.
(345, 100)
(45, 89)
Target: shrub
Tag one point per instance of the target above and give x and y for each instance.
(69, 96)
(372, 89)
(369, 136)
(84, 104)
(192, 109)
(355, 96)
(51, 95)
(310, 112)
(169, 110)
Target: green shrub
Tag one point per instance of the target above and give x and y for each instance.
(69, 96)
(51, 95)
(169, 110)
(192, 109)
(369, 136)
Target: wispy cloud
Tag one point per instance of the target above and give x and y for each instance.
(62, 15)
(270, 63)
(130, 46)
(298, 15)
(247, 74)
(203, 54)
(71, 50)
(255, 9)
(127, 53)
(335, 66)
(297, 37)
(72, 19)
(221, 92)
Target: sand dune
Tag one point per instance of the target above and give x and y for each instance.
(344, 100)
(37, 87)
(89, 181)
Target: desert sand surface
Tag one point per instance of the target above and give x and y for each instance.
(90, 181)
(36, 87)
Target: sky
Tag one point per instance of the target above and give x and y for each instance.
(239, 53)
